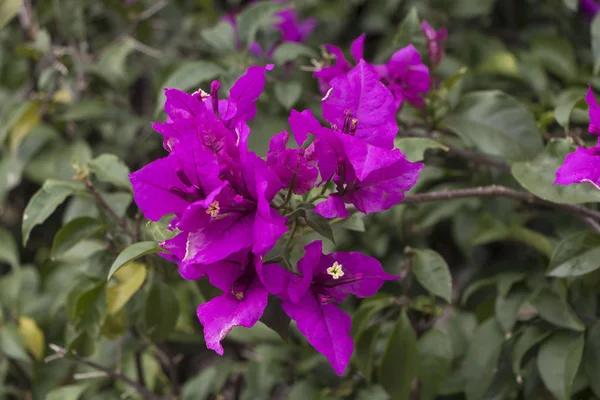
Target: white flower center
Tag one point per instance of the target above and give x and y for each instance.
(336, 270)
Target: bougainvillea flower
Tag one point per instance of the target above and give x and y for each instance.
(291, 165)
(169, 185)
(239, 216)
(243, 300)
(359, 99)
(583, 165)
(326, 279)
(406, 76)
(290, 26)
(435, 42)
(589, 7)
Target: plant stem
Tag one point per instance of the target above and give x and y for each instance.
(142, 390)
(495, 190)
(102, 203)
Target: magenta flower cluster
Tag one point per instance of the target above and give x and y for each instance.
(404, 74)
(225, 203)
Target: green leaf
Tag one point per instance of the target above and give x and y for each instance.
(133, 252)
(364, 351)
(220, 37)
(71, 18)
(554, 310)
(433, 273)
(188, 76)
(591, 358)
(303, 390)
(572, 5)
(8, 9)
(111, 65)
(110, 168)
(364, 315)
(481, 361)
(288, 93)
(9, 252)
(399, 364)
(538, 176)
(507, 309)
(69, 392)
(471, 8)
(317, 222)
(408, 29)
(556, 54)
(566, 102)
(356, 222)
(291, 51)
(130, 278)
(162, 311)
(531, 336)
(576, 255)
(558, 361)
(11, 343)
(435, 361)
(595, 39)
(254, 17)
(414, 148)
(373, 392)
(497, 124)
(200, 386)
(44, 202)
(73, 232)
(275, 318)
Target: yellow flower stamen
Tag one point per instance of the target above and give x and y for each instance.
(213, 209)
(336, 270)
(238, 295)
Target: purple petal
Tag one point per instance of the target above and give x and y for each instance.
(246, 91)
(290, 165)
(594, 127)
(181, 105)
(357, 46)
(222, 313)
(333, 207)
(581, 166)
(368, 100)
(326, 327)
(299, 285)
(269, 226)
(302, 124)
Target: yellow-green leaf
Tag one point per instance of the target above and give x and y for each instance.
(33, 337)
(8, 9)
(131, 277)
(29, 120)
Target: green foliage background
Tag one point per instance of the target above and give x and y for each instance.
(500, 291)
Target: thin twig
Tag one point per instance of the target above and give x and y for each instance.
(102, 203)
(142, 390)
(495, 190)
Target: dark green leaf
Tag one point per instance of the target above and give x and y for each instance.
(556, 54)
(507, 309)
(496, 124)
(44, 202)
(254, 17)
(364, 314)
(162, 311)
(558, 361)
(188, 76)
(200, 386)
(435, 360)
(399, 364)
(481, 361)
(591, 357)
(83, 345)
(288, 93)
(374, 392)
(531, 336)
(110, 168)
(8, 9)
(538, 176)
(414, 148)
(69, 392)
(303, 390)
(554, 310)
(318, 223)
(364, 351)
(112, 65)
(133, 252)
(566, 102)
(275, 318)
(70, 15)
(356, 222)
(71, 233)
(290, 51)
(433, 273)
(576, 255)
